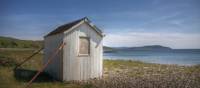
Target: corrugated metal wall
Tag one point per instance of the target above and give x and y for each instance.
(68, 65)
(82, 67)
(55, 68)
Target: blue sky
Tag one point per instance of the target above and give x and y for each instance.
(173, 23)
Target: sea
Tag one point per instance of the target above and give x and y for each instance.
(176, 56)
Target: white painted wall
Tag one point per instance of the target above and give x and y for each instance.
(51, 43)
(82, 67)
(67, 64)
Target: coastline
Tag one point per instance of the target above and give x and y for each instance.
(180, 57)
(117, 74)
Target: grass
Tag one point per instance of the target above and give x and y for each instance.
(117, 74)
(8, 42)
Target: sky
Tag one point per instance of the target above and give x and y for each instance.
(126, 23)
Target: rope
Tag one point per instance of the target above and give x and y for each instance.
(48, 62)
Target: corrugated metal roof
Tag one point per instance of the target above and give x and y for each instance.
(64, 27)
(67, 26)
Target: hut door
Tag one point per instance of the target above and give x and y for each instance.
(84, 53)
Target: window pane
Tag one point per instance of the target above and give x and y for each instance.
(84, 45)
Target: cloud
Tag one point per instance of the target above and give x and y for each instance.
(174, 40)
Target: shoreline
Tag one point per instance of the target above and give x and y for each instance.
(116, 74)
(151, 62)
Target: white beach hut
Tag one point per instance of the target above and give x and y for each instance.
(82, 56)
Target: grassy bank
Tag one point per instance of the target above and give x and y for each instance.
(117, 74)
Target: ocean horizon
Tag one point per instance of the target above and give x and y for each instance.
(184, 57)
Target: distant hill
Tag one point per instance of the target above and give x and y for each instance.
(150, 47)
(8, 42)
(107, 49)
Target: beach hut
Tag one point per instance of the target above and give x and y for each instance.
(81, 56)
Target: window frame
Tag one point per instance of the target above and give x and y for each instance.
(79, 54)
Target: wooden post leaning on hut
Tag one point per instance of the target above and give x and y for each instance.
(28, 58)
(48, 62)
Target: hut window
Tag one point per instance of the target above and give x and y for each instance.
(84, 46)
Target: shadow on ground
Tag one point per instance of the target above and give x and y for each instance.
(26, 75)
